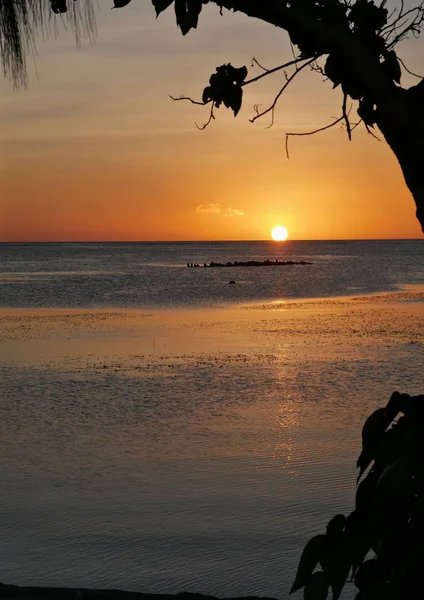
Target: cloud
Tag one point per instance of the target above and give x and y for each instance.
(233, 212)
(218, 209)
(209, 208)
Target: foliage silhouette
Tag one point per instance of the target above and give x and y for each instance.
(388, 521)
(352, 43)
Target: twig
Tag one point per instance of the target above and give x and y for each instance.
(189, 99)
(211, 118)
(371, 132)
(408, 70)
(269, 71)
(346, 118)
(303, 133)
(271, 108)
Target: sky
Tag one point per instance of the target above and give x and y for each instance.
(95, 149)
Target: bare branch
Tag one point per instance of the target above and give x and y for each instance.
(271, 108)
(255, 61)
(407, 22)
(189, 99)
(211, 118)
(346, 117)
(304, 133)
(408, 70)
(371, 132)
(269, 71)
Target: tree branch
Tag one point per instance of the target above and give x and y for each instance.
(408, 70)
(271, 108)
(346, 117)
(270, 71)
(189, 99)
(211, 118)
(304, 133)
(356, 54)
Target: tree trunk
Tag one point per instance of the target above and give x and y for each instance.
(405, 136)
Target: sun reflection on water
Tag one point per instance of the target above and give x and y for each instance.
(287, 420)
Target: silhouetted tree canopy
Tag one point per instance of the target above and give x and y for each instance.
(352, 43)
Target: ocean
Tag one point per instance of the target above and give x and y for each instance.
(164, 431)
(155, 275)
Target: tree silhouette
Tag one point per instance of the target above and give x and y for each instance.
(350, 42)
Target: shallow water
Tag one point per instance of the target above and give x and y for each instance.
(189, 450)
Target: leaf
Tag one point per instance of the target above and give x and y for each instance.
(372, 431)
(333, 70)
(187, 13)
(207, 94)
(311, 556)
(214, 79)
(335, 563)
(59, 6)
(120, 3)
(367, 112)
(335, 527)
(393, 443)
(365, 491)
(351, 88)
(317, 587)
(357, 539)
(391, 66)
(369, 576)
(240, 75)
(161, 5)
(234, 98)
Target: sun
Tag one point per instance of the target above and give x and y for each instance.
(279, 234)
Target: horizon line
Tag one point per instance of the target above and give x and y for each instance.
(269, 240)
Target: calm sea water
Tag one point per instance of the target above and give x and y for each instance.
(154, 275)
(196, 452)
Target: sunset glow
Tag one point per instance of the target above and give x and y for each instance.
(86, 157)
(279, 234)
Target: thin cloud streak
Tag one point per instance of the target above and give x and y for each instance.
(233, 212)
(218, 209)
(209, 208)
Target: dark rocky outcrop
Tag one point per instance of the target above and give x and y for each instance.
(251, 263)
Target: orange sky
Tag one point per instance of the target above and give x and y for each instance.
(94, 149)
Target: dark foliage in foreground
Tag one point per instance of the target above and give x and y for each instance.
(380, 544)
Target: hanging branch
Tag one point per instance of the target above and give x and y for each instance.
(211, 118)
(346, 117)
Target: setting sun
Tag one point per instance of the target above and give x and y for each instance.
(279, 234)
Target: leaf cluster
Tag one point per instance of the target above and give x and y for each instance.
(186, 12)
(388, 520)
(225, 87)
(59, 6)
